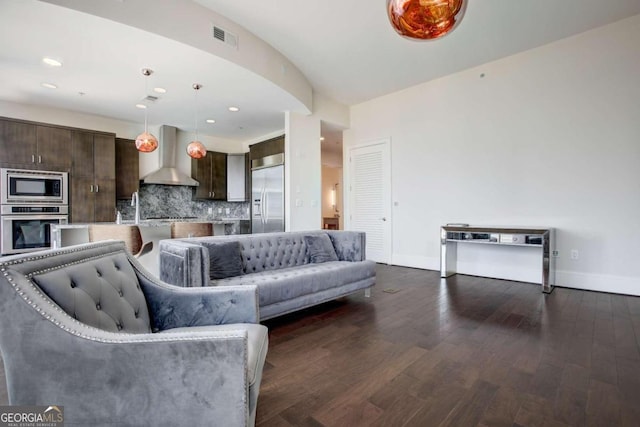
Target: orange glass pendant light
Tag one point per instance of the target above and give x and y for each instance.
(425, 19)
(196, 149)
(146, 142)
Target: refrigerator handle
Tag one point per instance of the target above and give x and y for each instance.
(266, 204)
(262, 206)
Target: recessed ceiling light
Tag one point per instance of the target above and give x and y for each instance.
(159, 90)
(141, 106)
(49, 85)
(51, 62)
(234, 109)
(210, 121)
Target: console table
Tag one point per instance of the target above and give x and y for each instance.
(452, 235)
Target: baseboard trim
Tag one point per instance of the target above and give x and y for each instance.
(599, 282)
(624, 285)
(415, 261)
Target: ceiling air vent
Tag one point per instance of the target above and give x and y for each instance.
(225, 36)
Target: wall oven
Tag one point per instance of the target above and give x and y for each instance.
(28, 228)
(29, 186)
(32, 201)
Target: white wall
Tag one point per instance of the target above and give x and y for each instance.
(549, 137)
(302, 174)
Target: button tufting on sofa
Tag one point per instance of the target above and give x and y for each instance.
(279, 263)
(80, 354)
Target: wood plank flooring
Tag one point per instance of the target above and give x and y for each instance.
(467, 351)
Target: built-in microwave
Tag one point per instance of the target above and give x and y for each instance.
(21, 186)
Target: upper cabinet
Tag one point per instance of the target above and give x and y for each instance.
(93, 177)
(236, 178)
(267, 148)
(127, 165)
(211, 173)
(32, 146)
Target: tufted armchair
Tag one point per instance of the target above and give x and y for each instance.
(87, 328)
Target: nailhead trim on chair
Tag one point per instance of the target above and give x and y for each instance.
(54, 307)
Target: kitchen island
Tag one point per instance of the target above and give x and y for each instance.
(151, 230)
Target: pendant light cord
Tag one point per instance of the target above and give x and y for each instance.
(196, 87)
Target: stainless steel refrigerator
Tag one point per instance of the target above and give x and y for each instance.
(267, 195)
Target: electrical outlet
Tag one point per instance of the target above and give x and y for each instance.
(555, 254)
(219, 210)
(227, 211)
(210, 211)
(575, 254)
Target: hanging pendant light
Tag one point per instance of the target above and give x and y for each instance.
(146, 142)
(196, 149)
(425, 19)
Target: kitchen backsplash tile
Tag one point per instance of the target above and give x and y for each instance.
(177, 201)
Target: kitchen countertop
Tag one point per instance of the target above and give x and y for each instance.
(156, 222)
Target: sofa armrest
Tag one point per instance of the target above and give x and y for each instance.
(174, 307)
(183, 263)
(349, 245)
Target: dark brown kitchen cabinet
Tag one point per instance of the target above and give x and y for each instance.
(31, 146)
(17, 143)
(211, 173)
(267, 148)
(93, 177)
(127, 168)
(54, 148)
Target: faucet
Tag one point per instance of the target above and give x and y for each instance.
(135, 201)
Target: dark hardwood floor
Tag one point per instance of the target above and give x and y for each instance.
(467, 351)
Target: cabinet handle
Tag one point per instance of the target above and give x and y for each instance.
(97, 188)
(91, 188)
(39, 159)
(33, 158)
(213, 194)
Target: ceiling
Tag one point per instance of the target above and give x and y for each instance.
(346, 49)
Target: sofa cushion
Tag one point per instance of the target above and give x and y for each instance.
(320, 248)
(288, 283)
(225, 259)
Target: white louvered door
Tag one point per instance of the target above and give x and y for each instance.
(370, 197)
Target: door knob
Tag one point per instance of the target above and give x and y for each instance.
(384, 218)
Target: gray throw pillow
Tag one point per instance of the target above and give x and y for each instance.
(225, 259)
(320, 248)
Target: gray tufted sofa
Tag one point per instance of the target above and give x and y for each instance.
(87, 328)
(279, 264)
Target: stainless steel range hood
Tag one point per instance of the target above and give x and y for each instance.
(168, 174)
